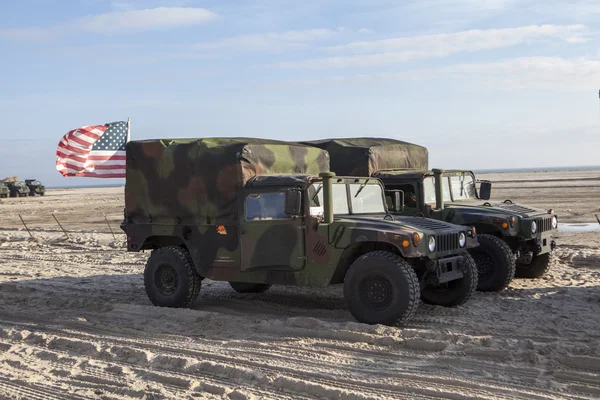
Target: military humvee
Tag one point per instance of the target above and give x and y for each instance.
(35, 187)
(259, 212)
(4, 191)
(505, 230)
(16, 187)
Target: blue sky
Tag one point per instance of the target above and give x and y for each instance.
(482, 83)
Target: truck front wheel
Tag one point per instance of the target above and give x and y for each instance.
(538, 266)
(243, 287)
(456, 292)
(495, 263)
(381, 288)
(170, 279)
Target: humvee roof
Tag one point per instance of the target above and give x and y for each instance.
(365, 156)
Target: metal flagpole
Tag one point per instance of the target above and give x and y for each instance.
(128, 128)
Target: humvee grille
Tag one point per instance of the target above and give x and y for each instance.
(544, 224)
(447, 242)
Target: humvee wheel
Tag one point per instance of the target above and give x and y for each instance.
(538, 266)
(381, 288)
(495, 263)
(170, 279)
(453, 293)
(242, 287)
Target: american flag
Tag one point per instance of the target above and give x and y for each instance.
(93, 151)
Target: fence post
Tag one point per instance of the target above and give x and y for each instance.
(61, 227)
(111, 231)
(597, 217)
(25, 225)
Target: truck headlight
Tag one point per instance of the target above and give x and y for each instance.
(533, 227)
(462, 239)
(431, 244)
(554, 222)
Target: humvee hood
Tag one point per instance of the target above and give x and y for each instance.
(199, 179)
(504, 209)
(425, 225)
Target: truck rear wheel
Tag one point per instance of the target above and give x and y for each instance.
(381, 288)
(243, 287)
(170, 279)
(495, 263)
(456, 292)
(538, 266)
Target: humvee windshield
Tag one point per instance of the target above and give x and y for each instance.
(364, 198)
(455, 187)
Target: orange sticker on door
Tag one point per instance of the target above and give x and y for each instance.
(221, 230)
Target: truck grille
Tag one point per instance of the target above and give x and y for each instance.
(544, 224)
(447, 242)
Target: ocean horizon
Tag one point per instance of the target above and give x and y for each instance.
(478, 171)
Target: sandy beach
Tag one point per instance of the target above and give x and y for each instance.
(75, 322)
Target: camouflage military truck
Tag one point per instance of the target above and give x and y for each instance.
(258, 212)
(35, 187)
(16, 187)
(505, 230)
(4, 191)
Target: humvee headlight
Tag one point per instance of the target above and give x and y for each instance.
(533, 227)
(512, 221)
(431, 244)
(554, 222)
(462, 239)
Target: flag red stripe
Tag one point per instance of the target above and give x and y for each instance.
(80, 141)
(73, 149)
(108, 167)
(106, 158)
(71, 156)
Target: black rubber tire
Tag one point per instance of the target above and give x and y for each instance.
(188, 282)
(43, 193)
(453, 293)
(539, 265)
(243, 287)
(400, 282)
(495, 263)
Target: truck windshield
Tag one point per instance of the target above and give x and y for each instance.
(365, 200)
(429, 189)
(462, 186)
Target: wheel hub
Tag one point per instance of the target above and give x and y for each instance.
(485, 264)
(376, 292)
(166, 279)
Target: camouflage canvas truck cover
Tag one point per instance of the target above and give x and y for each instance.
(35, 187)
(257, 212)
(505, 230)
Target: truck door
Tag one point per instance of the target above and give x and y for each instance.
(269, 237)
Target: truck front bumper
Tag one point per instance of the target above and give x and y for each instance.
(444, 270)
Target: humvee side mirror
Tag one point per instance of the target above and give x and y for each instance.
(293, 202)
(485, 190)
(398, 201)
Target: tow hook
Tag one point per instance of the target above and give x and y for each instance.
(552, 245)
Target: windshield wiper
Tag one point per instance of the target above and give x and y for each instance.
(317, 192)
(361, 188)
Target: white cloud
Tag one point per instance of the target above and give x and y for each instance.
(399, 50)
(472, 40)
(143, 20)
(118, 22)
(271, 40)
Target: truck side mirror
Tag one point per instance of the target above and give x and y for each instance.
(293, 202)
(398, 201)
(485, 190)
